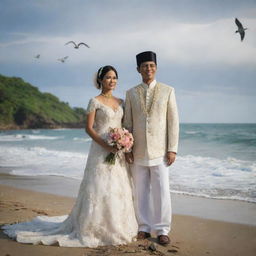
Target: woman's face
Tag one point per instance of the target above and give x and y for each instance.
(109, 81)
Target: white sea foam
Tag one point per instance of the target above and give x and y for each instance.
(36, 131)
(211, 177)
(21, 137)
(37, 161)
(221, 197)
(82, 139)
(228, 178)
(192, 132)
(61, 129)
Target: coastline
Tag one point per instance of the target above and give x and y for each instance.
(13, 127)
(190, 236)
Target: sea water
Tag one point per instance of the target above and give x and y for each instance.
(214, 160)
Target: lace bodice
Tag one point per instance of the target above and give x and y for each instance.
(106, 116)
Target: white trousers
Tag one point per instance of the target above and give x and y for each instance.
(152, 198)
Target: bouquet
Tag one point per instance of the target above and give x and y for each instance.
(120, 138)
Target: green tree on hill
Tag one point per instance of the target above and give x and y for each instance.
(24, 106)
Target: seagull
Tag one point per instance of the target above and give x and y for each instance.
(63, 59)
(241, 29)
(37, 56)
(76, 46)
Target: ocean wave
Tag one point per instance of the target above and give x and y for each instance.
(30, 172)
(217, 178)
(36, 131)
(228, 178)
(192, 132)
(61, 129)
(82, 139)
(205, 195)
(21, 137)
(220, 137)
(35, 161)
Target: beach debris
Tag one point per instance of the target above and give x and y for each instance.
(40, 212)
(152, 247)
(144, 246)
(127, 249)
(241, 29)
(130, 251)
(37, 56)
(17, 204)
(63, 59)
(172, 250)
(76, 46)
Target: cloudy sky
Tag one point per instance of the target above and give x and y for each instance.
(199, 54)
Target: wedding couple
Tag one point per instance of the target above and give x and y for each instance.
(105, 212)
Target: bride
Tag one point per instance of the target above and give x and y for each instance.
(103, 213)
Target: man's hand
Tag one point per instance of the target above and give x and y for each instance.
(170, 158)
(129, 157)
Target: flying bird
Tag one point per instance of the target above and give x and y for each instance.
(241, 29)
(37, 56)
(63, 59)
(76, 46)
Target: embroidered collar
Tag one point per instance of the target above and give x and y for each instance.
(140, 91)
(150, 86)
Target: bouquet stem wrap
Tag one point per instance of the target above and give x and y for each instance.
(111, 158)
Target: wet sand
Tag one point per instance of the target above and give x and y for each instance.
(223, 210)
(191, 236)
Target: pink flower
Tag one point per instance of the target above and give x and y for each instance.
(122, 139)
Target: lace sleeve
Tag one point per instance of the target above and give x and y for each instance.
(92, 106)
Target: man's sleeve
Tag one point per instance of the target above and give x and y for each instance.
(172, 124)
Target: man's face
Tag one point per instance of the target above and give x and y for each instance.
(147, 70)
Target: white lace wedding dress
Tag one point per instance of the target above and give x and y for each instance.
(103, 213)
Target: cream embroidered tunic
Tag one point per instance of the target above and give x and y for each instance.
(151, 115)
(148, 96)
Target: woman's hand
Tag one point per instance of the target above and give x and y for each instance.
(111, 149)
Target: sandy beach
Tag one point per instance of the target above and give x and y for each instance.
(190, 235)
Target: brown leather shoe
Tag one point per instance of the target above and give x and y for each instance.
(143, 235)
(163, 239)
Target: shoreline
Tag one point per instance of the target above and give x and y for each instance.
(190, 236)
(10, 127)
(233, 211)
(50, 127)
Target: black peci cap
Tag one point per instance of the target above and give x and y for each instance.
(145, 56)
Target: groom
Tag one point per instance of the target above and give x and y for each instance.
(151, 115)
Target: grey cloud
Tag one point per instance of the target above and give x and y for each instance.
(198, 51)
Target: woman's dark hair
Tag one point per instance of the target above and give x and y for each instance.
(102, 72)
